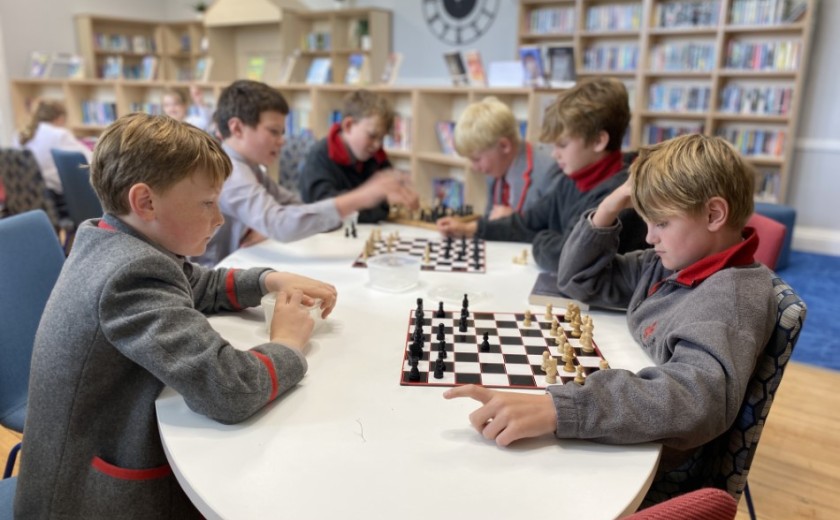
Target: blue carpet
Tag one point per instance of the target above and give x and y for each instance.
(816, 278)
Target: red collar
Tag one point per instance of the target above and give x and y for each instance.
(501, 186)
(739, 255)
(596, 173)
(340, 154)
(104, 225)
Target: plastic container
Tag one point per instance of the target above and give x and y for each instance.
(393, 272)
(268, 300)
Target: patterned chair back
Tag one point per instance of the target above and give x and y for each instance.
(292, 157)
(25, 188)
(725, 462)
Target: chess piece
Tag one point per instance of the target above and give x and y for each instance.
(576, 332)
(427, 254)
(485, 343)
(440, 312)
(442, 349)
(440, 332)
(414, 374)
(551, 371)
(579, 375)
(569, 358)
(439, 368)
(346, 232)
(555, 325)
(465, 303)
(353, 229)
(603, 364)
(545, 358)
(462, 324)
(586, 336)
(528, 316)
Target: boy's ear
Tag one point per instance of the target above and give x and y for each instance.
(140, 200)
(602, 141)
(717, 213)
(505, 145)
(235, 126)
(347, 123)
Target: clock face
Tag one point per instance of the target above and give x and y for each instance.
(459, 22)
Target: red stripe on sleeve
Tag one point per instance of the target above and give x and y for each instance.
(271, 372)
(230, 289)
(130, 474)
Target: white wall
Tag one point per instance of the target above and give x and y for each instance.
(47, 25)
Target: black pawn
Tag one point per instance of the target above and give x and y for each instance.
(353, 229)
(440, 313)
(442, 350)
(440, 366)
(440, 334)
(346, 232)
(465, 303)
(414, 374)
(462, 324)
(485, 343)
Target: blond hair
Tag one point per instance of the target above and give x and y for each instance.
(482, 124)
(587, 109)
(360, 104)
(682, 174)
(45, 111)
(156, 150)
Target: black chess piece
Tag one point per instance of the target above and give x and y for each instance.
(440, 312)
(462, 324)
(346, 232)
(440, 366)
(416, 350)
(440, 333)
(353, 230)
(414, 374)
(420, 303)
(485, 343)
(465, 303)
(442, 349)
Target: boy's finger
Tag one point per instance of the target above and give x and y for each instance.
(479, 393)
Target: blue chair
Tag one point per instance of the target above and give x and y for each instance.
(7, 498)
(82, 202)
(30, 261)
(725, 462)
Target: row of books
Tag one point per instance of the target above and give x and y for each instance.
(137, 43)
(114, 68)
(445, 131)
(741, 99)
(765, 12)
(617, 17)
(754, 141)
(317, 41)
(552, 20)
(186, 43)
(448, 192)
(698, 13)
(680, 56)
(400, 136)
(616, 58)
(656, 133)
(679, 98)
(55, 65)
(767, 186)
(297, 122)
(149, 108)
(776, 55)
(98, 112)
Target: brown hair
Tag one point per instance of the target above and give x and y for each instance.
(360, 104)
(587, 109)
(46, 110)
(682, 174)
(178, 93)
(247, 100)
(155, 150)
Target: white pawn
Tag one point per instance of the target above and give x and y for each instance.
(549, 313)
(551, 371)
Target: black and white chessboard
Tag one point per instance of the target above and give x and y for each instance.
(445, 255)
(515, 357)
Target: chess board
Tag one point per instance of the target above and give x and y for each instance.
(473, 259)
(515, 356)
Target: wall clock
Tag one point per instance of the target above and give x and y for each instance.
(459, 22)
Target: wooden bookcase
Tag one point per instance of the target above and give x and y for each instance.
(676, 57)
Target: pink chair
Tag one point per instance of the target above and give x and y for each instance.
(702, 504)
(771, 235)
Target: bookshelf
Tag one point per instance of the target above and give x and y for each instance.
(733, 68)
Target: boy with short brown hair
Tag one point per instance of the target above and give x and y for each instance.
(352, 154)
(586, 124)
(698, 304)
(126, 318)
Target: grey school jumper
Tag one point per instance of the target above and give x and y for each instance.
(703, 326)
(124, 319)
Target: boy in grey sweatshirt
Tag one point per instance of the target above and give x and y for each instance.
(126, 317)
(697, 302)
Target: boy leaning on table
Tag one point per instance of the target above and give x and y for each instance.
(126, 317)
(698, 304)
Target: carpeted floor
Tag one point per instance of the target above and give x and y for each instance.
(816, 278)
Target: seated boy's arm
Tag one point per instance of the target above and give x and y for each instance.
(547, 247)
(215, 290)
(146, 312)
(511, 229)
(243, 198)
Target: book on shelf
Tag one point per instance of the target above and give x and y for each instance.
(533, 71)
(445, 131)
(149, 68)
(112, 67)
(202, 69)
(357, 69)
(39, 63)
(545, 291)
(795, 11)
(288, 68)
(475, 68)
(139, 44)
(449, 192)
(505, 74)
(255, 67)
(455, 66)
(392, 68)
(320, 71)
(65, 66)
(561, 65)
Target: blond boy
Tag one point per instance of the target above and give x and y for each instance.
(518, 173)
(698, 304)
(126, 318)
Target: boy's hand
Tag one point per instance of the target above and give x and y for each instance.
(452, 227)
(309, 287)
(389, 185)
(506, 416)
(251, 238)
(291, 324)
(500, 211)
(612, 205)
